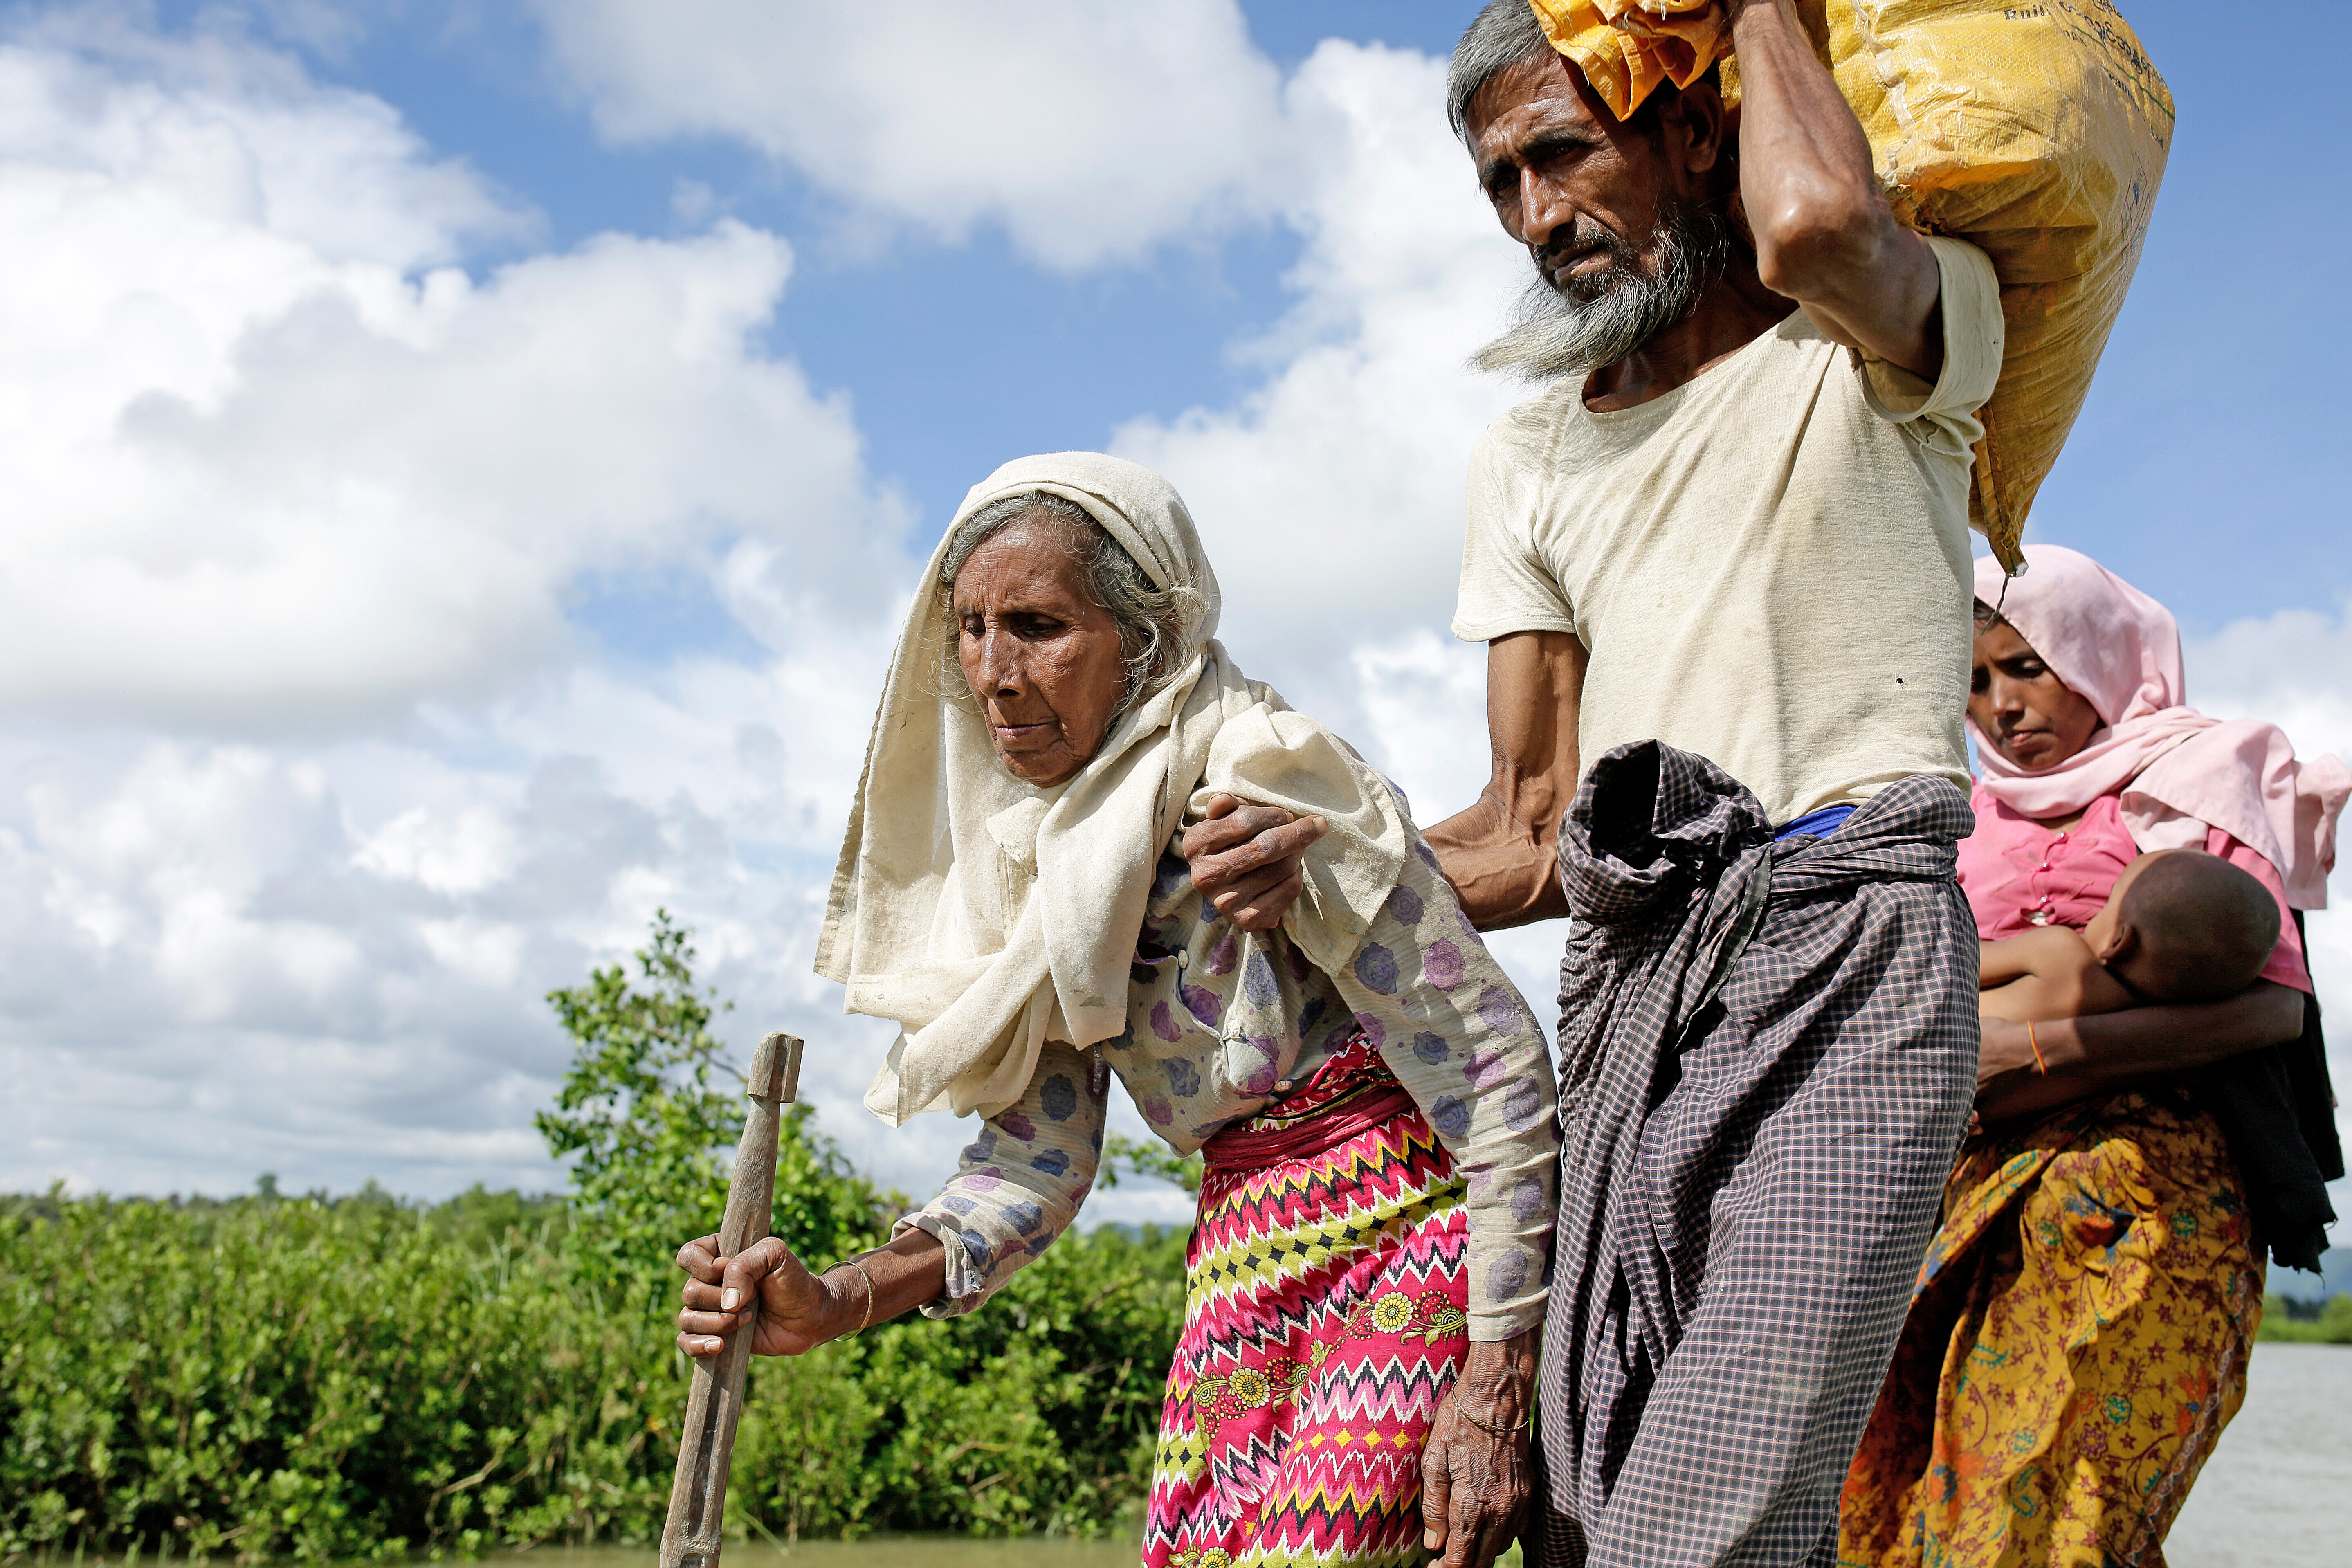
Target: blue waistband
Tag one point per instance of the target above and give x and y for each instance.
(1820, 824)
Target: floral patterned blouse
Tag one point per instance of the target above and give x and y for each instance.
(1222, 1024)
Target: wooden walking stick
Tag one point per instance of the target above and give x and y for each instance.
(698, 1497)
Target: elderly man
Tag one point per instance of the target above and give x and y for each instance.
(1721, 568)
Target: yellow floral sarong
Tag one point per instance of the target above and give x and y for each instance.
(2077, 1340)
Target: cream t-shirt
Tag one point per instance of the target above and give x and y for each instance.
(1768, 565)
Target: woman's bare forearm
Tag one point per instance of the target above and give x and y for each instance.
(1498, 1379)
(906, 1274)
(2080, 1057)
(1474, 1473)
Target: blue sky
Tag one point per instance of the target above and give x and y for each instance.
(476, 451)
(2206, 466)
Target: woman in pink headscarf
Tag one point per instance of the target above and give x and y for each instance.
(2078, 1335)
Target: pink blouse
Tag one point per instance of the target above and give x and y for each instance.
(2018, 874)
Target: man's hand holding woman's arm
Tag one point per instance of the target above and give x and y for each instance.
(1247, 859)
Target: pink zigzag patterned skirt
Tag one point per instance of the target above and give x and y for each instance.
(1324, 1321)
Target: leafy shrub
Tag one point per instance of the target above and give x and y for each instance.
(304, 1378)
(1037, 1413)
(359, 1377)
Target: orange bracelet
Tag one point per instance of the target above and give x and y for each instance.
(2039, 1065)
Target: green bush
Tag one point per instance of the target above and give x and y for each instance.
(308, 1379)
(344, 1378)
(1037, 1413)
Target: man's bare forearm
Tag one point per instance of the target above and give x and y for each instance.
(1500, 854)
(1503, 870)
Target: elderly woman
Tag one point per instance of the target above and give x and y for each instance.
(2078, 1335)
(1372, 1101)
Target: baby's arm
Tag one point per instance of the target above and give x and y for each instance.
(2046, 949)
(2045, 974)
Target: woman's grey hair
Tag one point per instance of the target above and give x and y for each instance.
(1497, 39)
(1155, 625)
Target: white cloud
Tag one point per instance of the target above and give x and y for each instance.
(307, 790)
(328, 960)
(275, 462)
(1088, 131)
(1332, 493)
(1331, 496)
(2294, 669)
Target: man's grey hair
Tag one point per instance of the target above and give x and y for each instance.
(1155, 625)
(1601, 318)
(1497, 39)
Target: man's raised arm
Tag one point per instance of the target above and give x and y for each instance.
(1499, 854)
(1824, 235)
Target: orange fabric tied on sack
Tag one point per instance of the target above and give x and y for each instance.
(2036, 132)
(1625, 48)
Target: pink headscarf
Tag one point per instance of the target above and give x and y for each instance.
(2177, 771)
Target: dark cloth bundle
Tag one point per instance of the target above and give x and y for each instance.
(2277, 1109)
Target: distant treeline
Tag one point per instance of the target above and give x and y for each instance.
(2327, 1323)
(336, 1378)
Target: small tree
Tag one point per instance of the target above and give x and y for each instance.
(651, 1133)
(638, 1113)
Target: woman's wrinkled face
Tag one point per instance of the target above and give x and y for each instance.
(1045, 661)
(2035, 719)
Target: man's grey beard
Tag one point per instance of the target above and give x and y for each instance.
(1605, 317)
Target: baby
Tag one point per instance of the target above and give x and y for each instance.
(2179, 926)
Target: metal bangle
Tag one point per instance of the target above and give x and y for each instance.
(1524, 1422)
(866, 1320)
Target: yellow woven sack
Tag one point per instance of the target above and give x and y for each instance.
(2036, 129)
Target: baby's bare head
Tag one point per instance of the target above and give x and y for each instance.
(2186, 926)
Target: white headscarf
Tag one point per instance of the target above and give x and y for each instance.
(986, 916)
